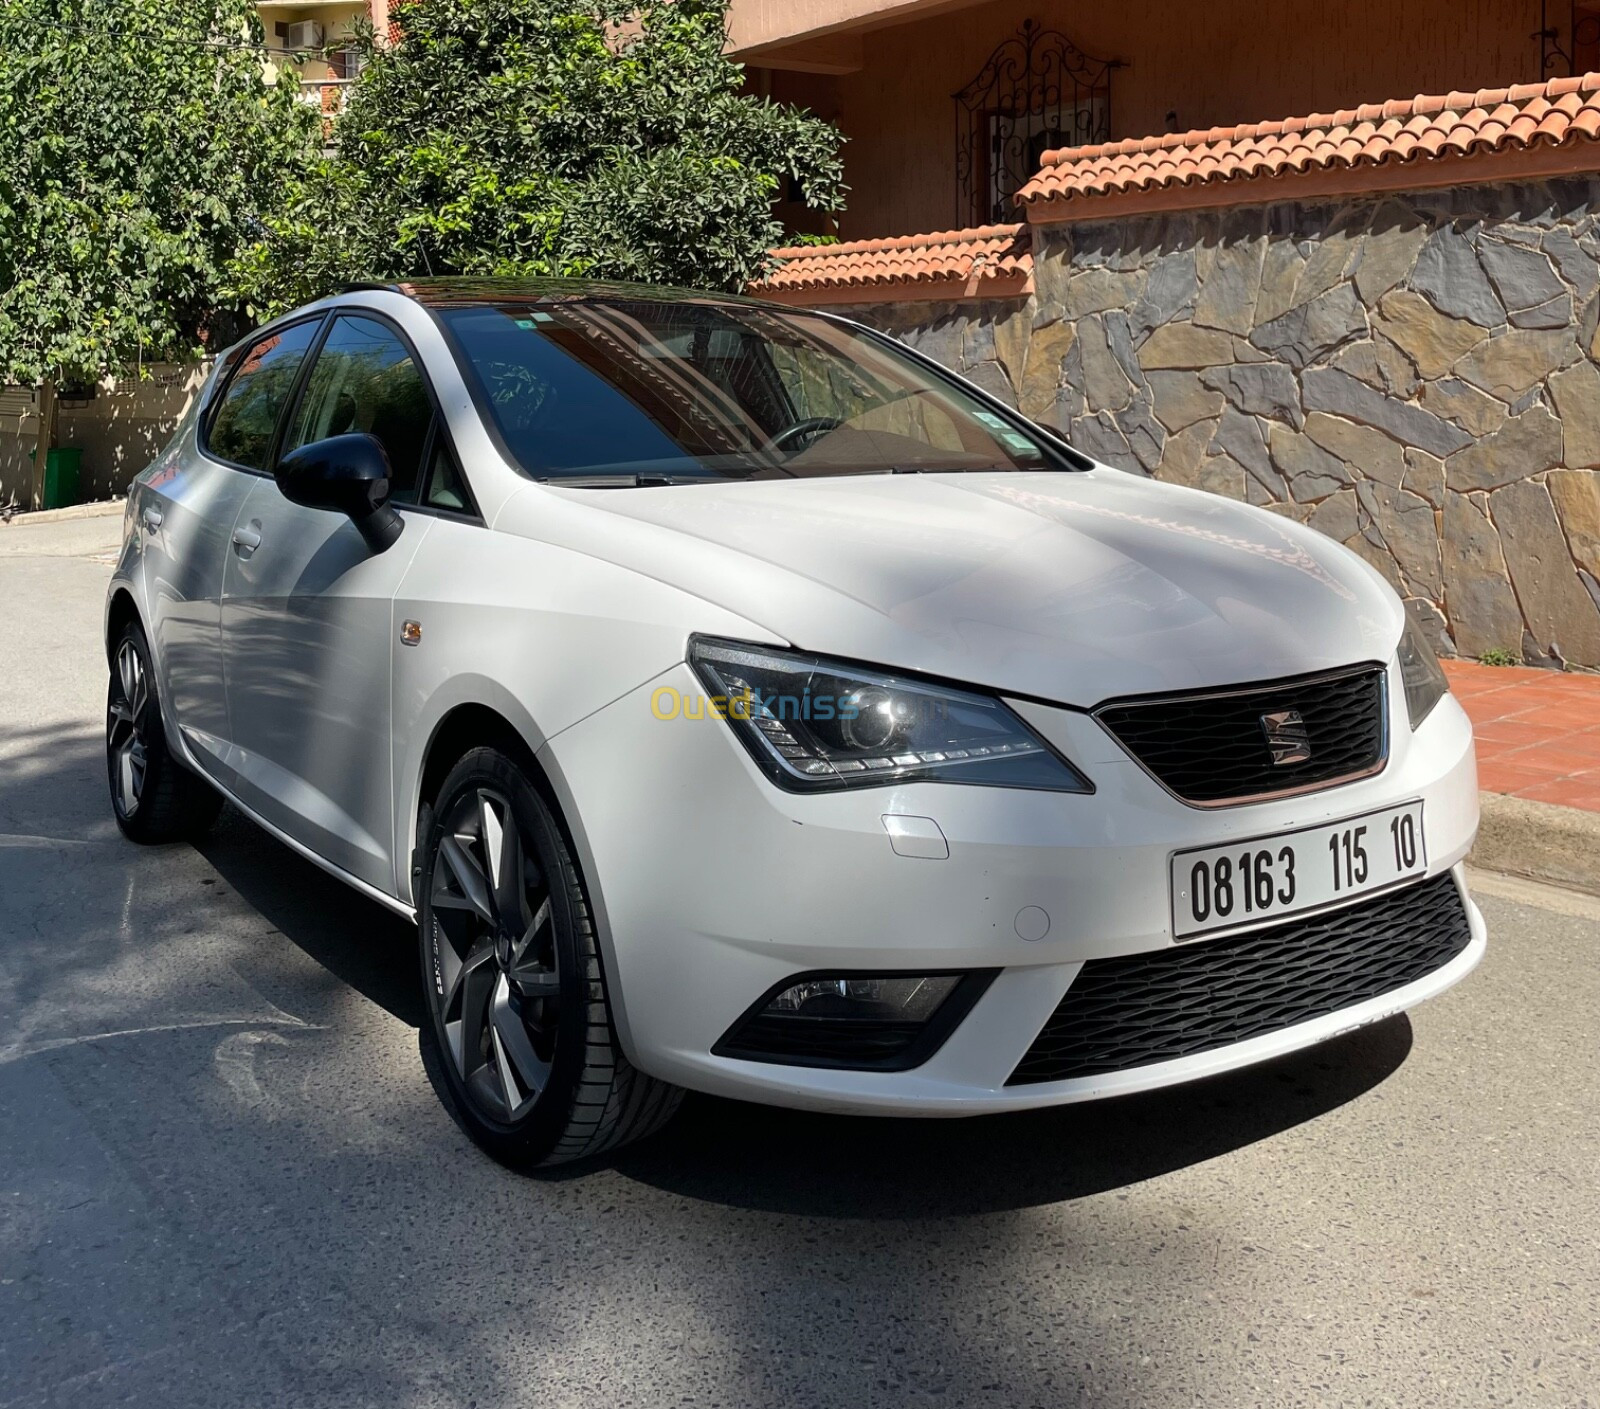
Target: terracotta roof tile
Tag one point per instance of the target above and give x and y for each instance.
(951, 262)
(1562, 112)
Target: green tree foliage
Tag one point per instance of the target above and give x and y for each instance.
(603, 138)
(140, 145)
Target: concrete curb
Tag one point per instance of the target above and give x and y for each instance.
(1563, 901)
(1558, 845)
(104, 509)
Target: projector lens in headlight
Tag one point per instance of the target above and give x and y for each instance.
(815, 724)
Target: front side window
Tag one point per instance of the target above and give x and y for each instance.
(365, 379)
(699, 390)
(247, 416)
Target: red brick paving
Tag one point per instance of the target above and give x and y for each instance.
(1538, 731)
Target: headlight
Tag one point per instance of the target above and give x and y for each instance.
(814, 724)
(1421, 674)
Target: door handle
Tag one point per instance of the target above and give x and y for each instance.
(152, 519)
(247, 539)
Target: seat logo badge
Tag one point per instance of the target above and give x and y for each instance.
(411, 633)
(1286, 737)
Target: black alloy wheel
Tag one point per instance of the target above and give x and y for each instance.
(495, 978)
(519, 1038)
(155, 798)
(127, 722)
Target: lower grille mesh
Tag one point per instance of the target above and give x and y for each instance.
(1144, 1008)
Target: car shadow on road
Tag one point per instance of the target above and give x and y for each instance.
(355, 939)
(760, 1157)
(53, 789)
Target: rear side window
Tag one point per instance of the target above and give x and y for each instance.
(246, 417)
(365, 379)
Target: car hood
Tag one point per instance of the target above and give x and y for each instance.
(1069, 587)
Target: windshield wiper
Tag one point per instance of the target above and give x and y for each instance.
(627, 481)
(951, 469)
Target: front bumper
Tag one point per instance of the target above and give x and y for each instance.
(710, 886)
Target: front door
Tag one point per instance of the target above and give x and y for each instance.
(187, 512)
(308, 628)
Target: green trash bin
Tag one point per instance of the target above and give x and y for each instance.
(60, 475)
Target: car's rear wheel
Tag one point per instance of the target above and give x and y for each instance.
(155, 798)
(519, 1038)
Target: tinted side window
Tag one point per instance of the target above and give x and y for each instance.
(242, 426)
(364, 379)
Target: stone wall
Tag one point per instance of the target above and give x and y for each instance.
(1414, 376)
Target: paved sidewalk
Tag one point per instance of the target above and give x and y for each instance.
(1538, 731)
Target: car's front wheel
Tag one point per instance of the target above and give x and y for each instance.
(519, 1038)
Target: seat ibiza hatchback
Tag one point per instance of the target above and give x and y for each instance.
(739, 701)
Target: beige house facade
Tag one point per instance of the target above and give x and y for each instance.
(311, 42)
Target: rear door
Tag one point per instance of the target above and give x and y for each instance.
(307, 614)
(186, 514)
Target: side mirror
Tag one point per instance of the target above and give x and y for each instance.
(349, 474)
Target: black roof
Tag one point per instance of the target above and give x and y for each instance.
(467, 291)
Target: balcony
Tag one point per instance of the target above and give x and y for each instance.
(325, 94)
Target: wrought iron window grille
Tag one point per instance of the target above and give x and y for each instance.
(1036, 92)
(1569, 50)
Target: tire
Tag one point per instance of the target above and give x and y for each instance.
(155, 798)
(518, 1039)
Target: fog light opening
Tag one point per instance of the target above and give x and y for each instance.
(855, 1021)
(865, 999)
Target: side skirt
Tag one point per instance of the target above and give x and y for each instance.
(372, 892)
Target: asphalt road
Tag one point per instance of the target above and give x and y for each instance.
(225, 1180)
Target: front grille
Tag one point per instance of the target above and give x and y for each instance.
(1212, 748)
(1129, 1012)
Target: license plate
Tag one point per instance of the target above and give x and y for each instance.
(1243, 883)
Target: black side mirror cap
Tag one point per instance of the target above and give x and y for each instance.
(350, 475)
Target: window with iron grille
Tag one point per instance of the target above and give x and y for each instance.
(1038, 91)
(1568, 37)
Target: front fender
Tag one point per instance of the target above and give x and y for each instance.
(413, 745)
(540, 634)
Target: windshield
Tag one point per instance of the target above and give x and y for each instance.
(643, 390)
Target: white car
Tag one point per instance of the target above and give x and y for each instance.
(741, 702)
